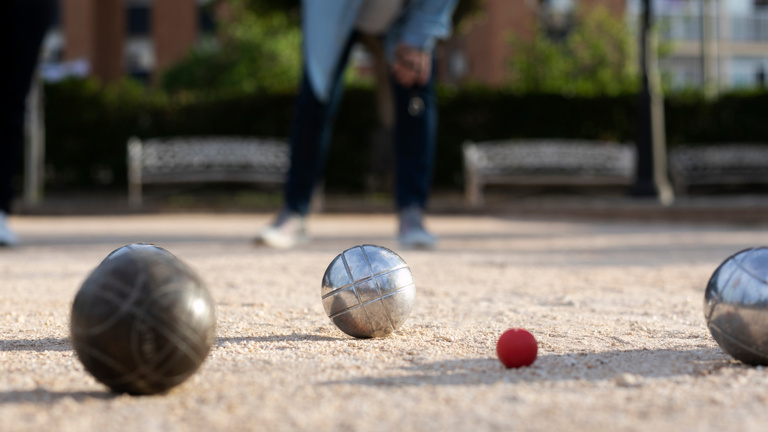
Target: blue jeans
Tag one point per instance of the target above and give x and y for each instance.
(311, 134)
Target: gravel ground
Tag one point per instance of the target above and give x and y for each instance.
(616, 309)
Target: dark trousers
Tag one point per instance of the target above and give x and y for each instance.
(23, 24)
(311, 135)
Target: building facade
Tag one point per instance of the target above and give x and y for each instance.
(720, 43)
(479, 52)
(726, 49)
(114, 38)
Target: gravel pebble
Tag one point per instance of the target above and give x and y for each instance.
(616, 308)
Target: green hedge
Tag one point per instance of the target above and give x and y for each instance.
(88, 125)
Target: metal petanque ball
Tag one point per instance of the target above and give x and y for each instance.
(736, 306)
(368, 291)
(143, 321)
(136, 248)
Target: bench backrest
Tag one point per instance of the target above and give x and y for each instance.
(209, 153)
(721, 157)
(526, 155)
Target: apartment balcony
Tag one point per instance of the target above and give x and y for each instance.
(687, 28)
(749, 29)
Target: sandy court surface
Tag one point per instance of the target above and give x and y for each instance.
(616, 308)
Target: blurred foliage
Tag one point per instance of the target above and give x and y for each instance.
(466, 10)
(88, 124)
(597, 57)
(289, 7)
(243, 83)
(255, 49)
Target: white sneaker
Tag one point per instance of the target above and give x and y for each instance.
(288, 230)
(413, 235)
(7, 237)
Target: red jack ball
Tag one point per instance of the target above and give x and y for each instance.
(517, 348)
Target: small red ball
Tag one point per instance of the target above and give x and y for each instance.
(517, 348)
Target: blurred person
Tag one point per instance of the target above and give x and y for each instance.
(409, 30)
(23, 24)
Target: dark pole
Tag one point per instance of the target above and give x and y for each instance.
(644, 182)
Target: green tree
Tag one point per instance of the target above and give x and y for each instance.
(256, 48)
(597, 57)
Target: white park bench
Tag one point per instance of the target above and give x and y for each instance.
(204, 160)
(545, 162)
(718, 164)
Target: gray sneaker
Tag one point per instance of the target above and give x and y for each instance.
(413, 235)
(7, 237)
(288, 230)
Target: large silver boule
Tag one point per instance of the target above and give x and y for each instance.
(368, 291)
(138, 249)
(736, 306)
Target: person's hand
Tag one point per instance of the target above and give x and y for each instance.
(411, 66)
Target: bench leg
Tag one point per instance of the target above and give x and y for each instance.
(134, 151)
(680, 187)
(317, 202)
(474, 190)
(135, 198)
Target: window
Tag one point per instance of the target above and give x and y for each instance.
(138, 19)
(207, 22)
(556, 17)
(748, 71)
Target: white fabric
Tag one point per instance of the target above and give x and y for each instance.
(376, 16)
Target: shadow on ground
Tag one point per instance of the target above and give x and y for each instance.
(293, 337)
(42, 395)
(39, 345)
(594, 367)
(86, 240)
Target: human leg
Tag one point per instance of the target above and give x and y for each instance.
(415, 138)
(309, 141)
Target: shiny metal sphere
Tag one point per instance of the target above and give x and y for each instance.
(368, 291)
(137, 249)
(736, 306)
(143, 321)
